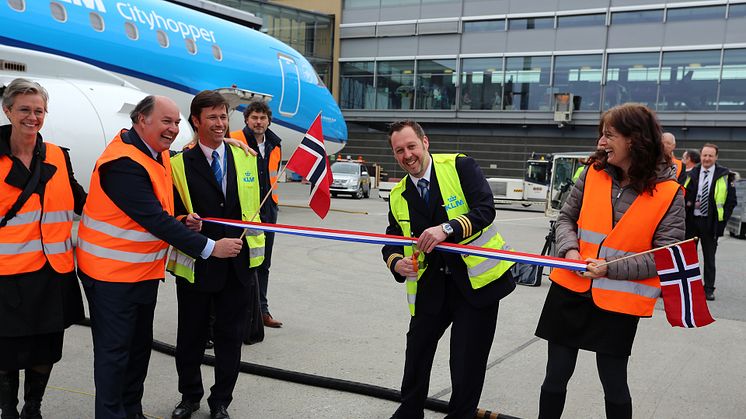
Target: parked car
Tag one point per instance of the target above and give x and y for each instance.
(350, 177)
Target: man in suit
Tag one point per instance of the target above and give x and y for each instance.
(710, 198)
(213, 179)
(123, 239)
(261, 139)
(444, 198)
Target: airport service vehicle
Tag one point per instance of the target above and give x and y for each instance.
(350, 177)
(98, 58)
(532, 189)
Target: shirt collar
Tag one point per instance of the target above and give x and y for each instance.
(207, 151)
(152, 151)
(426, 176)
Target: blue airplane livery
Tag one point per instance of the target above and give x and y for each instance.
(99, 57)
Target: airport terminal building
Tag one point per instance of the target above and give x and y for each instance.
(486, 76)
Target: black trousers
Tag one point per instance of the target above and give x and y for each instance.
(122, 328)
(231, 308)
(709, 242)
(472, 332)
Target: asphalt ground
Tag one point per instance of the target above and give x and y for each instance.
(345, 317)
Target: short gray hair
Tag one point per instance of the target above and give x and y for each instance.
(144, 108)
(23, 87)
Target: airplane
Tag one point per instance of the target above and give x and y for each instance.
(98, 58)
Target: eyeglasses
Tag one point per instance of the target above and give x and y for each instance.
(25, 111)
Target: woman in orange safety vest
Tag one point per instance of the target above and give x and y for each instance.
(626, 201)
(39, 294)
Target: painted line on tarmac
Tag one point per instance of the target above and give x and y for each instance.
(499, 360)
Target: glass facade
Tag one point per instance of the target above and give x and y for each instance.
(527, 83)
(638, 16)
(484, 25)
(679, 81)
(436, 84)
(358, 89)
(689, 81)
(481, 83)
(531, 23)
(580, 75)
(631, 78)
(311, 34)
(395, 85)
(576, 21)
(733, 82)
(695, 13)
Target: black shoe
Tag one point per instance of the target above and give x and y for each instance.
(221, 412)
(34, 386)
(184, 409)
(9, 395)
(709, 296)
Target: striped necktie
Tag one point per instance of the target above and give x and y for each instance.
(216, 170)
(423, 187)
(704, 197)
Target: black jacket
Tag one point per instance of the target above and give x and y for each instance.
(431, 286)
(716, 227)
(208, 201)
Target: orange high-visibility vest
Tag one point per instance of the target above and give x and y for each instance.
(112, 247)
(39, 232)
(679, 166)
(632, 234)
(273, 164)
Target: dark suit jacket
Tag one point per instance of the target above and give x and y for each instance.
(715, 226)
(208, 201)
(431, 286)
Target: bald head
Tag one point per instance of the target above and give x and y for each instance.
(669, 143)
(156, 120)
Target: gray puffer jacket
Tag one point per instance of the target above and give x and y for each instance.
(670, 230)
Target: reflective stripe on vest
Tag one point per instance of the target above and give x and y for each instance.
(273, 162)
(481, 270)
(181, 264)
(41, 231)
(632, 234)
(113, 247)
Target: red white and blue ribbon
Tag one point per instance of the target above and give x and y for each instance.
(386, 239)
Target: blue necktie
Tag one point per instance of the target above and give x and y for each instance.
(422, 186)
(216, 170)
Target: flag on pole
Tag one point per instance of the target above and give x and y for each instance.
(309, 160)
(681, 286)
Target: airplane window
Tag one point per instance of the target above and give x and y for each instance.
(162, 38)
(17, 5)
(191, 46)
(131, 30)
(97, 22)
(59, 13)
(217, 52)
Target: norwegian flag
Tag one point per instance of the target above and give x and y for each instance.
(681, 286)
(309, 160)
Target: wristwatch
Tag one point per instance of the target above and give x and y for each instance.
(447, 229)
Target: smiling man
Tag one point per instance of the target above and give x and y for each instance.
(213, 179)
(445, 197)
(123, 239)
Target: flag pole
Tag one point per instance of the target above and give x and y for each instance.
(648, 251)
(269, 192)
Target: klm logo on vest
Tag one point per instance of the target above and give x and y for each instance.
(453, 202)
(248, 177)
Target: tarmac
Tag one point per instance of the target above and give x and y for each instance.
(345, 317)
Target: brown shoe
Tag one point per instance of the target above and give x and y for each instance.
(270, 322)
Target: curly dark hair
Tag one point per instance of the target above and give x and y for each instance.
(639, 124)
